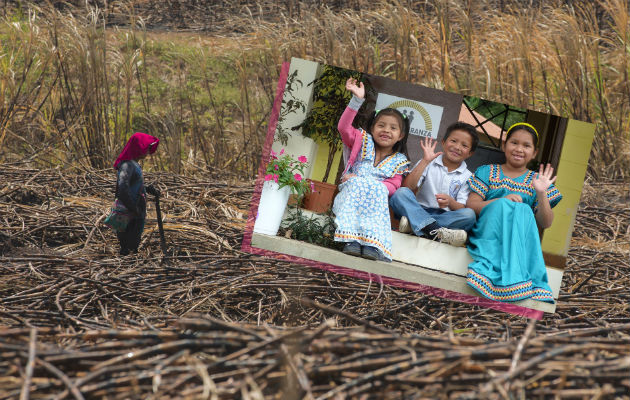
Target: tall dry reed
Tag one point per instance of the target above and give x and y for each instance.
(83, 89)
(569, 59)
(74, 90)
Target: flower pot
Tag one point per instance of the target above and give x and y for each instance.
(273, 202)
(321, 198)
(294, 200)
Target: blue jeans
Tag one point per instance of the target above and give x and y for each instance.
(404, 202)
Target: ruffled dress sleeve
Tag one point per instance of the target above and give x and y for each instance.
(553, 195)
(479, 181)
(402, 165)
(400, 169)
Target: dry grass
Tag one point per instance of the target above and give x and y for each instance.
(571, 61)
(212, 319)
(80, 90)
(75, 91)
(192, 323)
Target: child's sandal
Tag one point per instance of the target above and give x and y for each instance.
(352, 249)
(369, 252)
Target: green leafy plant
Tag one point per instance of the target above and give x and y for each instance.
(330, 99)
(503, 115)
(290, 105)
(311, 229)
(286, 171)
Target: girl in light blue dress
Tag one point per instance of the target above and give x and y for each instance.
(374, 171)
(512, 202)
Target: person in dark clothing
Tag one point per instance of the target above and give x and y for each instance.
(130, 190)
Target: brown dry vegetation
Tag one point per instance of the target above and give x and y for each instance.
(208, 98)
(211, 321)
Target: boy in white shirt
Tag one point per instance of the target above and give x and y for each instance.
(432, 200)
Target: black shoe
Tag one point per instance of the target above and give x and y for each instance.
(353, 249)
(124, 251)
(369, 252)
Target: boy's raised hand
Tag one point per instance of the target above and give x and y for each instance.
(543, 179)
(357, 90)
(428, 149)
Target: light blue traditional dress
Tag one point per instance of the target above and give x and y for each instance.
(504, 244)
(362, 206)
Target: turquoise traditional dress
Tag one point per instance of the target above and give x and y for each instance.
(504, 244)
(362, 206)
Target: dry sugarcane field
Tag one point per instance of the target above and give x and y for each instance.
(211, 321)
(207, 320)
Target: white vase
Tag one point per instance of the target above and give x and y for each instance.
(273, 202)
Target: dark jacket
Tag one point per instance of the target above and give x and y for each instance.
(130, 188)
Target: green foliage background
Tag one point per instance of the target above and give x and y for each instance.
(330, 99)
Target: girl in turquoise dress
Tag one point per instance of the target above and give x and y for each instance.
(511, 202)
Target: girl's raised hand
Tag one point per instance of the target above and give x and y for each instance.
(357, 90)
(544, 178)
(428, 149)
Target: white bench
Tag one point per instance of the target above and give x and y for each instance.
(416, 260)
(437, 256)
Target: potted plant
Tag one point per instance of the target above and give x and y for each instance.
(310, 228)
(283, 175)
(329, 101)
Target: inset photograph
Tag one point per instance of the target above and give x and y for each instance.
(455, 196)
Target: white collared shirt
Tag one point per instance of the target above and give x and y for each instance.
(436, 179)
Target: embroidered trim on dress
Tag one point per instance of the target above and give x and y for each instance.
(385, 164)
(364, 145)
(399, 170)
(478, 186)
(508, 183)
(518, 291)
(367, 240)
(390, 169)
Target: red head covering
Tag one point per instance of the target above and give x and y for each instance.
(139, 144)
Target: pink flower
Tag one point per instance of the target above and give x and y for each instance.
(302, 159)
(275, 167)
(275, 178)
(281, 152)
(268, 177)
(297, 177)
(274, 155)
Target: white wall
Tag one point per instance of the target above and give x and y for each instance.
(299, 145)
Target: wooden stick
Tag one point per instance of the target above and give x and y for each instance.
(26, 386)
